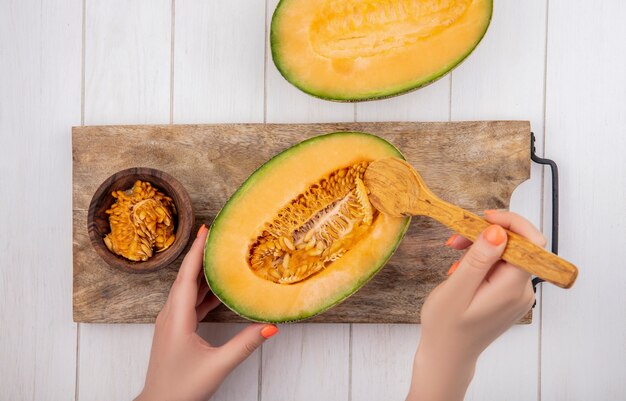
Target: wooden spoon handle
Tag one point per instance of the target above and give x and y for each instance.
(519, 251)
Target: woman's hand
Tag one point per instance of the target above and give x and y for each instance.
(481, 299)
(184, 367)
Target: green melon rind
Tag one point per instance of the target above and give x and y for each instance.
(412, 86)
(258, 173)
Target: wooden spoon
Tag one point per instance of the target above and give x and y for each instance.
(397, 189)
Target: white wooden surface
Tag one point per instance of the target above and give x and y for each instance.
(195, 61)
(584, 331)
(127, 62)
(40, 52)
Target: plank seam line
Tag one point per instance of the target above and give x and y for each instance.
(355, 118)
(82, 123)
(450, 99)
(350, 359)
(259, 375)
(82, 63)
(265, 61)
(543, 193)
(76, 375)
(172, 39)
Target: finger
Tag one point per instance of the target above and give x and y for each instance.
(510, 277)
(495, 300)
(192, 263)
(203, 290)
(184, 292)
(476, 264)
(458, 242)
(245, 343)
(517, 224)
(206, 305)
(455, 265)
(496, 267)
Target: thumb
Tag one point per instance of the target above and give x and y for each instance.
(477, 262)
(245, 343)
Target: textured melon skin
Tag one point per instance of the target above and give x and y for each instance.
(217, 287)
(342, 97)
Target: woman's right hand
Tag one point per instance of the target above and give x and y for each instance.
(481, 299)
(183, 366)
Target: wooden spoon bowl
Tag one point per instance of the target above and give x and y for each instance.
(98, 220)
(398, 190)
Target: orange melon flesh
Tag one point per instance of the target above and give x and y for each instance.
(351, 50)
(257, 201)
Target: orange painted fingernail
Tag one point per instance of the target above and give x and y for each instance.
(495, 234)
(451, 239)
(269, 331)
(453, 267)
(201, 231)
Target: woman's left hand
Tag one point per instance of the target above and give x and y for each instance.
(183, 366)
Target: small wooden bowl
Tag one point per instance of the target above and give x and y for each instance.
(98, 221)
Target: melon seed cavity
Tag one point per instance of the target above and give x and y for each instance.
(315, 229)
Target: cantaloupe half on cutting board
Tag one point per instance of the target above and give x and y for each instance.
(353, 50)
(300, 234)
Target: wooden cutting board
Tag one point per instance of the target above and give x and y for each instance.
(476, 165)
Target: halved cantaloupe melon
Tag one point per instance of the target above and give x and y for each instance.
(351, 50)
(300, 234)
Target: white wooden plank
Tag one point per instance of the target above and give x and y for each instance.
(302, 356)
(382, 360)
(289, 105)
(127, 80)
(119, 356)
(307, 362)
(242, 384)
(431, 103)
(113, 360)
(219, 61)
(584, 329)
(40, 53)
(127, 62)
(504, 79)
(514, 353)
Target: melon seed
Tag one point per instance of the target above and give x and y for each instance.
(274, 274)
(315, 252)
(308, 236)
(310, 244)
(169, 241)
(289, 244)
